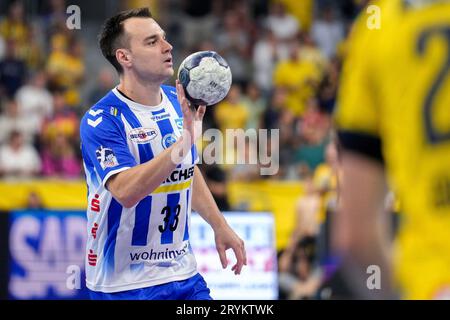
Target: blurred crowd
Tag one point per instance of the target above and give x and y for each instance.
(285, 56)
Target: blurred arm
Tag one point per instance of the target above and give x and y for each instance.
(360, 227)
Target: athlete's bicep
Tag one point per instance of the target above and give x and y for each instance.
(104, 144)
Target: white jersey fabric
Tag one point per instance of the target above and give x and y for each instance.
(148, 244)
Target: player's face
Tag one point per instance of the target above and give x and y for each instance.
(150, 53)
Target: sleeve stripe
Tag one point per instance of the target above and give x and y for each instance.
(111, 173)
(363, 143)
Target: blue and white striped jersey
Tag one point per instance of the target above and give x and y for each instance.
(148, 244)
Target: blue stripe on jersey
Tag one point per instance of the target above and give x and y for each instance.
(176, 105)
(186, 228)
(114, 213)
(145, 151)
(173, 200)
(173, 99)
(159, 111)
(165, 126)
(193, 153)
(141, 222)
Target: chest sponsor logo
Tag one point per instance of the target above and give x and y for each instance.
(180, 175)
(142, 135)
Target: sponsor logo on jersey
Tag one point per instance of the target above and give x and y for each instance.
(164, 255)
(94, 230)
(179, 123)
(113, 111)
(180, 175)
(168, 140)
(142, 135)
(106, 157)
(160, 117)
(95, 204)
(92, 258)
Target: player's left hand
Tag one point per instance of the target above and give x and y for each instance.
(226, 238)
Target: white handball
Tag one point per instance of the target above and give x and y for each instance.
(205, 77)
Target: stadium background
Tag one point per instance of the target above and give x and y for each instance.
(285, 57)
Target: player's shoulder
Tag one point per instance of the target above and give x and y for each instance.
(103, 114)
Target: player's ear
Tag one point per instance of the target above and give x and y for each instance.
(123, 57)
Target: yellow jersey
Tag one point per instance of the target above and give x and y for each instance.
(299, 77)
(394, 104)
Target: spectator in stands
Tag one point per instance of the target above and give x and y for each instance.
(55, 15)
(104, 83)
(283, 25)
(278, 116)
(255, 105)
(306, 224)
(300, 278)
(14, 28)
(233, 43)
(327, 32)
(34, 100)
(34, 52)
(325, 181)
(66, 67)
(299, 77)
(12, 71)
(308, 211)
(302, 10)
(265, 56)
(59, 159)
(75, 71)
(63, 121)
(18, 159)
(198, 21)
(310, 52)
(11, 120)
(314, 131)
(231, 113)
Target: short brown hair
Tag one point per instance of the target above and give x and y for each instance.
(111, 36)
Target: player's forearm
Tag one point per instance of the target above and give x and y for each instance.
(132, 185)
(362, 256)
(360, 234)
(204, 203)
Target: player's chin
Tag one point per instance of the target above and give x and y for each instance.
(169, 72)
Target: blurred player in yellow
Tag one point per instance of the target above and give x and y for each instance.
(393, 116)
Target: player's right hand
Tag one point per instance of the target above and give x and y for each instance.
(192, 118)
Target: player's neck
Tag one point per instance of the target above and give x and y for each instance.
(144, 93)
